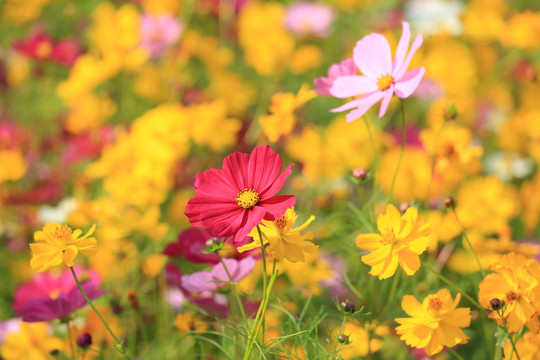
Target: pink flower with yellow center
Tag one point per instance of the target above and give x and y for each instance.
(383, 77)
(232, 201)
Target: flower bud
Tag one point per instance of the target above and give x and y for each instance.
(359, 174)
(84, 340)
(343, 338)
(133, 299)
(451, 112)
(449, 203)
(348, 307)
(54, 352)
(403, 207)
(495, 303)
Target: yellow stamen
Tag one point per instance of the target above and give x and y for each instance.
(44, 50)
(435, 304)
(384, 82)
(247, 198)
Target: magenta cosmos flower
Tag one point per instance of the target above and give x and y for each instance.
(382, 76)
(47, 297)
(232, 201)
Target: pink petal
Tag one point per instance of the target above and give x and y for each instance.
(277, 205)
(199, 281)
(251, 219)
(372, 56)
(277, 184)
(402, 46)
(219, 272)
(386, 101)
(347, 86)
(362, 105)
(401, 68)
(244, 267)
(263, 168)
(235, 170)
(202, 208)
(323, 86)
(213, 183)
(405, 86)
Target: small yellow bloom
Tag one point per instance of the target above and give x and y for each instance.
(284, 241)
(401, 240)
(57, 244)
(188, 322)
(30, 342)
(434, 323)
(515, 283)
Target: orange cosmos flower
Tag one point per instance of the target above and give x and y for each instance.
(401, 240)
(515, 283)
(434, 323)
(57, 244)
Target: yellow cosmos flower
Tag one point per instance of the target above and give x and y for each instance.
(284, 241)
(401, 240)
(515, 283)
(57, 244)
(434, 323)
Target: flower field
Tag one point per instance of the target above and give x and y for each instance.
(249, 179)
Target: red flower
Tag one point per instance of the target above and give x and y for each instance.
(232, 201)
(41, 46)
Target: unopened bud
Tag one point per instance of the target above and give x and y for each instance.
(54, 352)
(343, 338)
(449, 203)
(495, 303)
(359, 174)
(451, 112)
(84, 340)
(404, 206)
(348, 306)
(133, 299)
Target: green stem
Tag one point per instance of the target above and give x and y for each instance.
(514, 350)
(455, 353)
(259, 320)
(233, 289)
(265, 280)
(403, 141)
(469, 243)
(374, 167)
(451, 284)
(119, 345)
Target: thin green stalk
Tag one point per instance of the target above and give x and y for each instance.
(119, 345)
(233, 289)
(469, 243)
(455, 354)
(403, 141)
(451, 284)
(374, 167)
(259, 319)
(514, 350)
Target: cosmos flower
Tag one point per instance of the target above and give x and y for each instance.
(41, 47)
(213, 280)
(382, 76)
(306, 18)
(434, 323)
(158, 33)
(344, 68)
(402, 238)
(515, 282)
(232, 201)
(47, 297)
(57, 244)
(283, 241)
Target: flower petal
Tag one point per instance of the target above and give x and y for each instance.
(263, 168)
(401, 68)
(235, 168)
(402, 46)
(347, 86)
(372, 56)
(276, 206)
(405, 86)
(386, 101)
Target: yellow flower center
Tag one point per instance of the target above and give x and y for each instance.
(384, 82)
(44, 50)
(247, 198)
(281, 222)
(388, 238)
(435, 304)
(54, 294)
(511, 296)
(63, 234)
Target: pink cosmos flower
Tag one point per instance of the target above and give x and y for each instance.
(158, 33)
(232, 201)
(47, 297)
(213, 280)
(344, 68)
(306, 18)
(382, 76)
